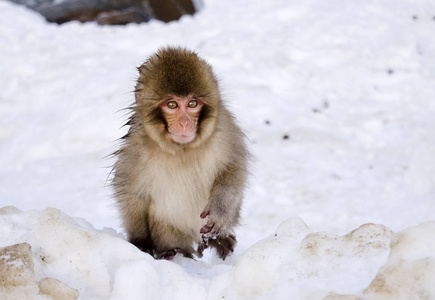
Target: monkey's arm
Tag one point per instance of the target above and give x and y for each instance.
(223, 208)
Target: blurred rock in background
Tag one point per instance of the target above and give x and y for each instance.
(111, 12)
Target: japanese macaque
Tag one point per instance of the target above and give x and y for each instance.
(182, 168)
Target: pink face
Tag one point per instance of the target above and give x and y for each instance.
(182, 117)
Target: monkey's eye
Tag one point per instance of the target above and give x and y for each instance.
(192, 104)
(172, 104)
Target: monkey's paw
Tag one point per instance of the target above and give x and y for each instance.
(168, 255)
(213, 226)
(224, 245)
(209, 230)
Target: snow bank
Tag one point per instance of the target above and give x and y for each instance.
(410, 270)
(292, 263)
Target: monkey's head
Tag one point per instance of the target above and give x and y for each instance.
(177, 97)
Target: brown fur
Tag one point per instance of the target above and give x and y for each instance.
(163, 187)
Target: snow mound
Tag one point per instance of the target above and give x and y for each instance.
(313, 262)
(410, 270)
(68, 256)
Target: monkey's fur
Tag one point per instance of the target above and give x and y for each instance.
(164, 189)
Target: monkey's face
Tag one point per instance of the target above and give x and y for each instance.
(181, 115)
(178, 98)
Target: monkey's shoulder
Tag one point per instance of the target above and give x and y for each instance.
(230, 137)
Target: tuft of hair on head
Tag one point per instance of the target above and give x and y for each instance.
(176, 71)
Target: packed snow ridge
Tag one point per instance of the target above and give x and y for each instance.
(70, 258)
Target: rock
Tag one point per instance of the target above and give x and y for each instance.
(17, 277)
(122, 17)
(57, 289)
(170, 10)
(110, 12)
(16, 266)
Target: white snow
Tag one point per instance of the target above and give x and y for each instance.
(350, 83)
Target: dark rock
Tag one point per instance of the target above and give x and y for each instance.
(122, 17)
(110, 12)
(169, 10)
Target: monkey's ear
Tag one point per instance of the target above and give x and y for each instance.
(137, 90)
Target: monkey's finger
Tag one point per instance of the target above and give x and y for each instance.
(207, 228)
(201, 247)
(214, 232)
(205, 212)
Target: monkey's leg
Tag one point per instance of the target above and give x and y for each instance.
(167, 241)
(144, 244)
(134, 211)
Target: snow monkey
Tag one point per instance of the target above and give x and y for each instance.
(182, 167)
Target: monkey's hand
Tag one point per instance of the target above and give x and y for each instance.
(214, 234)
(209, 230)
(213, 226)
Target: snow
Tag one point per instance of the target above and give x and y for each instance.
(343, 205)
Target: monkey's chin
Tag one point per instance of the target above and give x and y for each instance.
(182, 139)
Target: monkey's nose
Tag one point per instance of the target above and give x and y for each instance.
(183, 122)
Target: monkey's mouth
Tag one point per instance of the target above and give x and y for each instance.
(182, 138)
